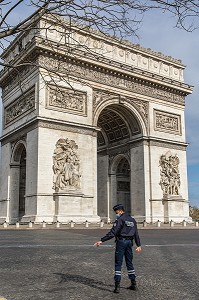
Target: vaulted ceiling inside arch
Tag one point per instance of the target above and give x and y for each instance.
(116, 124)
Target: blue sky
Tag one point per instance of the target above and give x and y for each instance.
(158, 32)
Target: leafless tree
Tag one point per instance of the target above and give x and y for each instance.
(119, 18)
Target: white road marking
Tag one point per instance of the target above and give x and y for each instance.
(171, 245)
(36, 246)
(106, 246)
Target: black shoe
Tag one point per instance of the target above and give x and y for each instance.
(133, 285)
(117, 288)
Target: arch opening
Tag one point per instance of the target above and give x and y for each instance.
(118, 128)
(22, 183)
(18, 182)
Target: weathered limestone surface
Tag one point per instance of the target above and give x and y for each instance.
(95, 119)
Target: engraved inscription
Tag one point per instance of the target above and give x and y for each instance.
(62, 98)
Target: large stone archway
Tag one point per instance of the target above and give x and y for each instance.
(105, 123)
(119, 129)
(18, 182)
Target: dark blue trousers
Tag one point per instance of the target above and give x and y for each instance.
(124, 249)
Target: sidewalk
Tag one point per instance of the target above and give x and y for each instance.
(46, 226)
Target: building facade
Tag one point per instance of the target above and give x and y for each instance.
(89, 121)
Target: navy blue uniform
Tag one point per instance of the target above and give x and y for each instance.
(125, 231)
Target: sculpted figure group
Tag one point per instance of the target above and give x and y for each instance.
(169, 173)
(66, 165)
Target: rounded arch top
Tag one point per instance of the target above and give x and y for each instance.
(118, 162)
(17, 150)
(129, 113)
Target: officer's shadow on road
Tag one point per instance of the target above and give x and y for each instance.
(84, 280)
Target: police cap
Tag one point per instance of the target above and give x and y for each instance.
(118, 207)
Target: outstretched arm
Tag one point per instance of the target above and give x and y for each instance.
(117, 226)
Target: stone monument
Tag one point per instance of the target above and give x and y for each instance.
(90, 121)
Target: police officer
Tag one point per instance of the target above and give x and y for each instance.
(124, 230)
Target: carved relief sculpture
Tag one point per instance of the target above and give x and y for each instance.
(66, 166)
(132, 84)
(62, 98)
(25, 103)
(167, 122)
(169, 174)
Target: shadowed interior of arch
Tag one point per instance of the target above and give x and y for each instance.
(116, 123)
(119, 127)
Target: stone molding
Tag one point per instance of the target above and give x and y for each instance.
(86, 71)
(66, 99)
(167, 122)
(66, 127)
(167, 144)
(99, 43)
(19, 107)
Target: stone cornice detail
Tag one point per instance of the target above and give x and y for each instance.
(85, 71)
(42, 46)
(67, 127)
(167, 144)
(87, 36)
(52, 124)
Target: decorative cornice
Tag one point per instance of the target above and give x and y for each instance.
(49, 47)
(85, 71)
(167, 144)
(66, 127)
(36, 122)
(57, 21)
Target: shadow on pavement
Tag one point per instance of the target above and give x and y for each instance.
(84, 280)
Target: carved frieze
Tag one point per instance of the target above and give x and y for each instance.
(66, 127)
(66, 166)
(167, 122)
(65, 99)
(97, 74)
(170, 145)
(169, 174)
(17, 77)
(25, 103)
(101, 95)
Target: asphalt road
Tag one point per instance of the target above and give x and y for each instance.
(63, 264)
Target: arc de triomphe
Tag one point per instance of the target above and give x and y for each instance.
(89, 121)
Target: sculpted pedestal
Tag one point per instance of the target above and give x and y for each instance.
(174, 208)
(74, 206)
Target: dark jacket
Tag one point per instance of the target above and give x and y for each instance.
(124, 227)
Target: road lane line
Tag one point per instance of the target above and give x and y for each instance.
(106, 246)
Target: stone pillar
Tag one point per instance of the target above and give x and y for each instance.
(5, 183)
(175, 208)
(138, 182)
(14, 192)
(31, 176)
(103, 187)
